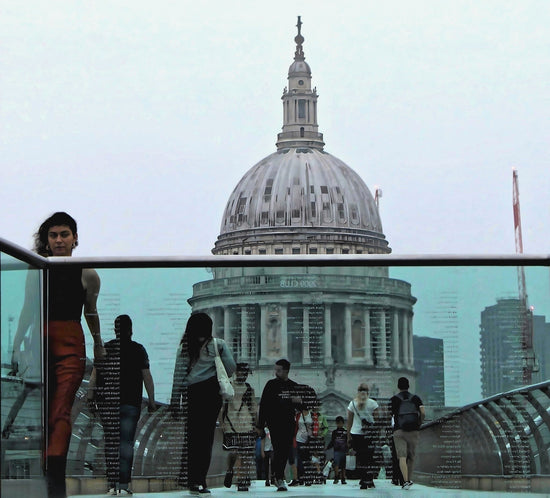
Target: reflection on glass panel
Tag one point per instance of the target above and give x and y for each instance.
(338, 326)
(455, 332)
(21, 403)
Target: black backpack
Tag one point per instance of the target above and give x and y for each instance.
(408, 416)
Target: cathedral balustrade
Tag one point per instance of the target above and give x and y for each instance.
(297, 134)
(287, 282)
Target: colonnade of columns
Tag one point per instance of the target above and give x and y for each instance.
(386, 333)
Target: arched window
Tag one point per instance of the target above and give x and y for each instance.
(302, 131)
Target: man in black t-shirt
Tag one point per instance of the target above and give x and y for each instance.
(408, 414)
(118, 380)
(278, 406)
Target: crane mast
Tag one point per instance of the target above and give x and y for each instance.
(377, 195)
(526, 315)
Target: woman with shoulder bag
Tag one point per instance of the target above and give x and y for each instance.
(196, 392)
(303, 433)
(362, 414)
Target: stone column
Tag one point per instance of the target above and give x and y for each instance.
(347, 332)
(263, 335)
(227, 336)
(306, 357)
(245, 339)
(213, 315)
(367, 338)
(411, 344)
(328, 335)
(395, 339)
(383, 356)
(406, 357)
(284, 330)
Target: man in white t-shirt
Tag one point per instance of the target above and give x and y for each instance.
(362, 414)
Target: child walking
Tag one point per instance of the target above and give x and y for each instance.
(339, 441)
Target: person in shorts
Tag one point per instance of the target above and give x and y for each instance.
(339, 441)
(406, 428)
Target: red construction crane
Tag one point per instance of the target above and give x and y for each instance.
(526, 317)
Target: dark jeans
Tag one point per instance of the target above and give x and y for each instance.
(281, 439)
(109, 411)
(268, 465)
(204, 403)
(129, 416)
(364, 446)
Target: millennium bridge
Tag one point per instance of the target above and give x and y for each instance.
(498, 444)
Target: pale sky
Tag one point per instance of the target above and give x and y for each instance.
(139, 118)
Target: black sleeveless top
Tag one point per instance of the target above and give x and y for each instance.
(65, 293)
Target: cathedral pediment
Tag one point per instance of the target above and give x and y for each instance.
(334, 403)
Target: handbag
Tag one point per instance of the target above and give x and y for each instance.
(350, 462)
(365, 424)
(327, 468)
(238, 441)
(226, 388)
(230, 441)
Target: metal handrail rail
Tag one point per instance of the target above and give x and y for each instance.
(385, 260)
(22, 254)
(458, 411)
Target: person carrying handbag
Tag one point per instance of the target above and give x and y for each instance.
(196, 394)
(238, 421)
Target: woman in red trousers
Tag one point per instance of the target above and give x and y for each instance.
(69, 290)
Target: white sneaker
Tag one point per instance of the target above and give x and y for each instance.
(407, 484)
(124, 492)
(281, 485)
(111, 492)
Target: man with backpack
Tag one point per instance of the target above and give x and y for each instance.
(408, 414)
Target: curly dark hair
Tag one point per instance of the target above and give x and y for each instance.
(41, 237)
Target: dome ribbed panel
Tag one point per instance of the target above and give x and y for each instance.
(301, 187)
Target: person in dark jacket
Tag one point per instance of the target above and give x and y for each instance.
(278, 405)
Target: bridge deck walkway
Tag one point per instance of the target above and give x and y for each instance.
(383, 488)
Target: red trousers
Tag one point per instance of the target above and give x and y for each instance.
(66, 362)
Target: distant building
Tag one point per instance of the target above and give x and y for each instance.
(429, 363)
(501, 347)
(338, 326)
(541, 346)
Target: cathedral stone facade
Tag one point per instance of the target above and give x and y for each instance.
(337, 325)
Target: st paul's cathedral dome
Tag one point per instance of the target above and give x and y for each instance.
(301, 199)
